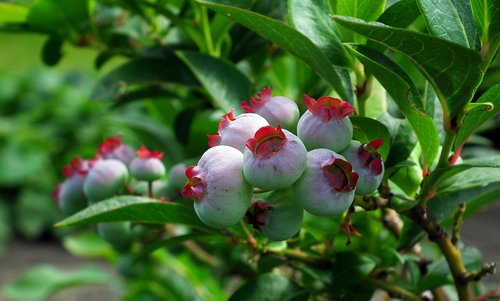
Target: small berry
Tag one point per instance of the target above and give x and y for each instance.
(69, 195)
(274, 158)
(220, 192)
(325, 124)
(277, 216)
(327, 186)
(105, 179)
(235, 131)
(367, 162)
(277, 110)
(114, 148)
(147, 166)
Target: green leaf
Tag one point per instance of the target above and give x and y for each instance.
(400, 14)
(52, 50)
(477, 117)
(60, 17)
(226, 85)
(367, 129)
(134, 209)
(487, 16)
(270, 287)
(10, 12)
(41, 282)
(451, 20)
(368, 10)
(351, 268)
(311, 18)
(88, 244)
(454, 71)
(434, 180)
(403, 139)
(399, 85)
(172, 241)
(142, 71)
(286, 37)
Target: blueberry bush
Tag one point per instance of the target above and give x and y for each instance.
(315, 150)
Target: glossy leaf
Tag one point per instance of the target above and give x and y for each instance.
(451, 20)
(270, 287)
(41, 282)
(403, 139)
(311, 18)
(487, 16)
(10, 12)
(143, 71)
(367, 129)
(399, 85)
(286, 37)
(434, 180)
(477, 117)
(226, 85)
(400, 14)
(134, 209)
(453, 70)
(368, 10)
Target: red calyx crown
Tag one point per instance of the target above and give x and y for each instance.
(260, 100)
(327, 107)
(214, 140)
(370, 157)
(256, 215)
(340, 175)
(195, 188)
(145, 153)
(266, 141)
(110, 144)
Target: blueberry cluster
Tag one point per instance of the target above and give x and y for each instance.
(318, 170)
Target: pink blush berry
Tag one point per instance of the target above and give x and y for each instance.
(147, 166)
(327, 186)
(105, 179)
(274, 158)
(235, 131)
(277, 110)
(367, 162)
(325, 124)
(220, 192)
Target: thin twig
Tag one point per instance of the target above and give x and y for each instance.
(458, 219)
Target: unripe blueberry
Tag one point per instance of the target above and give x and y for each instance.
(114, 148)
(366, 161)
(235, 131)
(277, 216)
(277, 110)
(147, 166)
(325, 124)
(220, 192)
(176, 176)
(327, 186)
(274, 158)
(118, 234)
(105, 179)
(69, 195)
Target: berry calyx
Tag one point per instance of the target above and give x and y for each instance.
(274, 158)
(114, 148)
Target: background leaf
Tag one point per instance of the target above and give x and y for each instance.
(311, 18)
(454, 71)
(270, 287)
(215, 75)
(10, 12)
(289, 39)
(52, 50)
(400, 14)
(451, 20)
(477, 117)
(134, 209)
(142, 71)
(399, 85)
(403, 139)
(41, 282)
